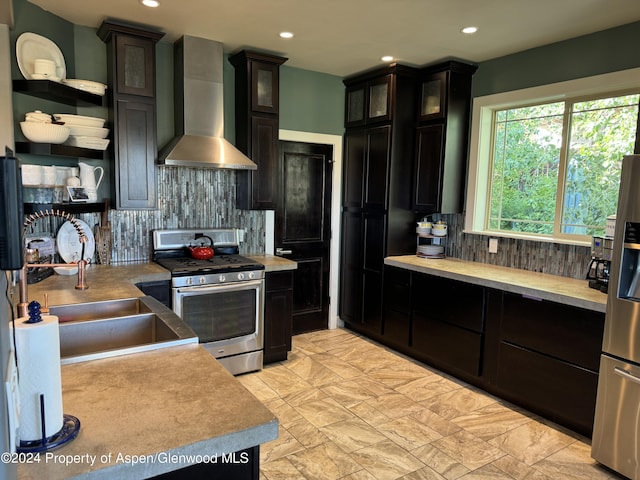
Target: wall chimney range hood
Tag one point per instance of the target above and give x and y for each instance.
(199, 110)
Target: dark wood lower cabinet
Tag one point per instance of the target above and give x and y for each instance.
(278, 315)
(541, 355)
(242, 465)
(544, 356)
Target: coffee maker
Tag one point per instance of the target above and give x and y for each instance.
(600, 265)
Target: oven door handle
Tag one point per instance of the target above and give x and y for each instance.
(222, 287)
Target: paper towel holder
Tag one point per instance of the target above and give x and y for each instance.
(69, 431)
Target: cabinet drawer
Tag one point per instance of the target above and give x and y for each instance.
(279, 280)
(560, 391)
(397, 290)
(446, 345)
(562, 331)
(396, 328)
(445, 300)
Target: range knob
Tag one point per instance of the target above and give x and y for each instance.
(202, 280)
(252, 275)
(240, 276)
(189, 281)
(222, 278)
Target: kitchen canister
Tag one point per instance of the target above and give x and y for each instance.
(40, 379)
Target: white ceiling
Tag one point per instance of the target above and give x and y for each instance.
(342, 37)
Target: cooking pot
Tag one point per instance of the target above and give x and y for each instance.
(202, 252)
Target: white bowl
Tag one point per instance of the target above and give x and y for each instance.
(86, 85)
(71, 270)
(37, 116)
(79, 120)
(44, 132)
(83, 131)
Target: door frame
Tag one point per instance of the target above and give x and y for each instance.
(334, 257)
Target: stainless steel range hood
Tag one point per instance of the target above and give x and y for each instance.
(199, 110)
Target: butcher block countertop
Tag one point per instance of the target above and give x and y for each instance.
(569, 291)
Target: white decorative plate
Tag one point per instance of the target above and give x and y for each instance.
(30, 46)
(68, 242)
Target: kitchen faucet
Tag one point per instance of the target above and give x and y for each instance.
(82, 263)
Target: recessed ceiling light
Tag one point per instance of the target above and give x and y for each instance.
(387, 58)
(286, 34)
(151, 3)
(469, 30)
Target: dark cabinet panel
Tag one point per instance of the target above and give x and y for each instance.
(377, 167)
(396, 320)
(374, 241)
(257, 91)
(556, 389)
(351, 272)
(136, 185)
(450, 301)
(443, 132)
(544, 356)
(377, 210)
(445, 345)
(447, 329)
(131, 72)
(427, 189)
(372, 301)
(561, 331)
(355, 145)
(257, 189)
(278, 319)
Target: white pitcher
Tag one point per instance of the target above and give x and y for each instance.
(88, 179)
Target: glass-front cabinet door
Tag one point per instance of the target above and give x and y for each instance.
(369, 102)
(264, 81)
(379, 99)
(355, 105)
(432, 96)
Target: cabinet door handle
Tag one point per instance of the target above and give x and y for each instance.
(280, 251)
(626, 375)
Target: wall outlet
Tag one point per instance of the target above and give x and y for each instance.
(493, 245)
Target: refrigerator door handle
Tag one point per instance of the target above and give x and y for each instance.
(628, 376)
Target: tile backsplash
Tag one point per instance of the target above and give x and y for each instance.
(188, 198)
(553, 258)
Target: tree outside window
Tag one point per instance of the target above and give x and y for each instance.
(556, 166)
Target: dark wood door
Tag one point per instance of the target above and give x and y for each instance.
(303, 228)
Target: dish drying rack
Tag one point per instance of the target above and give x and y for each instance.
(426, 240)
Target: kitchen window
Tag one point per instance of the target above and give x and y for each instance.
(548, 168)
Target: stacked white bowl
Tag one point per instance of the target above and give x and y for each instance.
(85, 132)
(38, 128)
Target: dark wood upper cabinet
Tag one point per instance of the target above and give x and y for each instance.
(257, 87)
(369, 101)
(442, 137)
(131, 95)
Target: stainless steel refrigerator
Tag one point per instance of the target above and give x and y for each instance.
(616, 433)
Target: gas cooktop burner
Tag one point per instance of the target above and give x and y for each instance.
(218, 264)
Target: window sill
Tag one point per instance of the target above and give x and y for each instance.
(531, 238)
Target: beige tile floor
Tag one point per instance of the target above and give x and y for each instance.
(352, 409)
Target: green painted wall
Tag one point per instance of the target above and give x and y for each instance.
(601, 52)
(311, 101)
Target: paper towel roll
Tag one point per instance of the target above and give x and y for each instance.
(38, 356)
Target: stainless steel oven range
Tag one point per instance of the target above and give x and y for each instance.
(221, 298)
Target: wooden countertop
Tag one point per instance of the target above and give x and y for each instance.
(274, 263)
(569, 291)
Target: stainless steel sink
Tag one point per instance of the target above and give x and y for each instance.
(94, 330)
